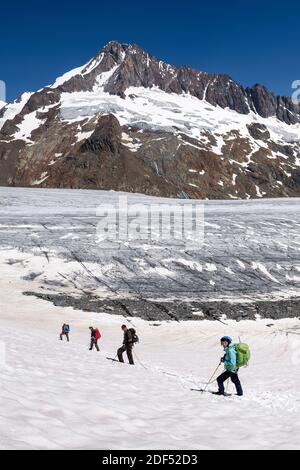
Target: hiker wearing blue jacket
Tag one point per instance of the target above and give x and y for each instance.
(65, 331)
(231, 369)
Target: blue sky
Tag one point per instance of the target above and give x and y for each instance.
(254, 42)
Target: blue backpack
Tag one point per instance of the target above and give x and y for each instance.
(135, 338)
(67, 329)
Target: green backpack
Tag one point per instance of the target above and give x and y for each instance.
(243, 354)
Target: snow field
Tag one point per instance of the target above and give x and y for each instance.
(56, 395)
(60, 395)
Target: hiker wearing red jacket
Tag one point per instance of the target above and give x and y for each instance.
(95, 336)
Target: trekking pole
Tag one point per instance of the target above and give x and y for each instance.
(139, 360)
(205, 388)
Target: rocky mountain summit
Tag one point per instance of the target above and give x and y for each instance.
(128, 121)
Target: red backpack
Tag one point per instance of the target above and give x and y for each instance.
(97, 334)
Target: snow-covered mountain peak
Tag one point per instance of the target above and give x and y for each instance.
(136, 68)
(126, 120)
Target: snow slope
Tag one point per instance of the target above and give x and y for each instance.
(14, 108)
(153, 109)
(61, 396)
(56, 395)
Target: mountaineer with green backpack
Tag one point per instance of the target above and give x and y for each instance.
(236, 356)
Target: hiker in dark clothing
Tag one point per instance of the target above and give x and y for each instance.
(234, 378)
(65, 332)
(95, 336)
(127, 346)
(231, 369)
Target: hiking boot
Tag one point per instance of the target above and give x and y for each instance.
(219, 394)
